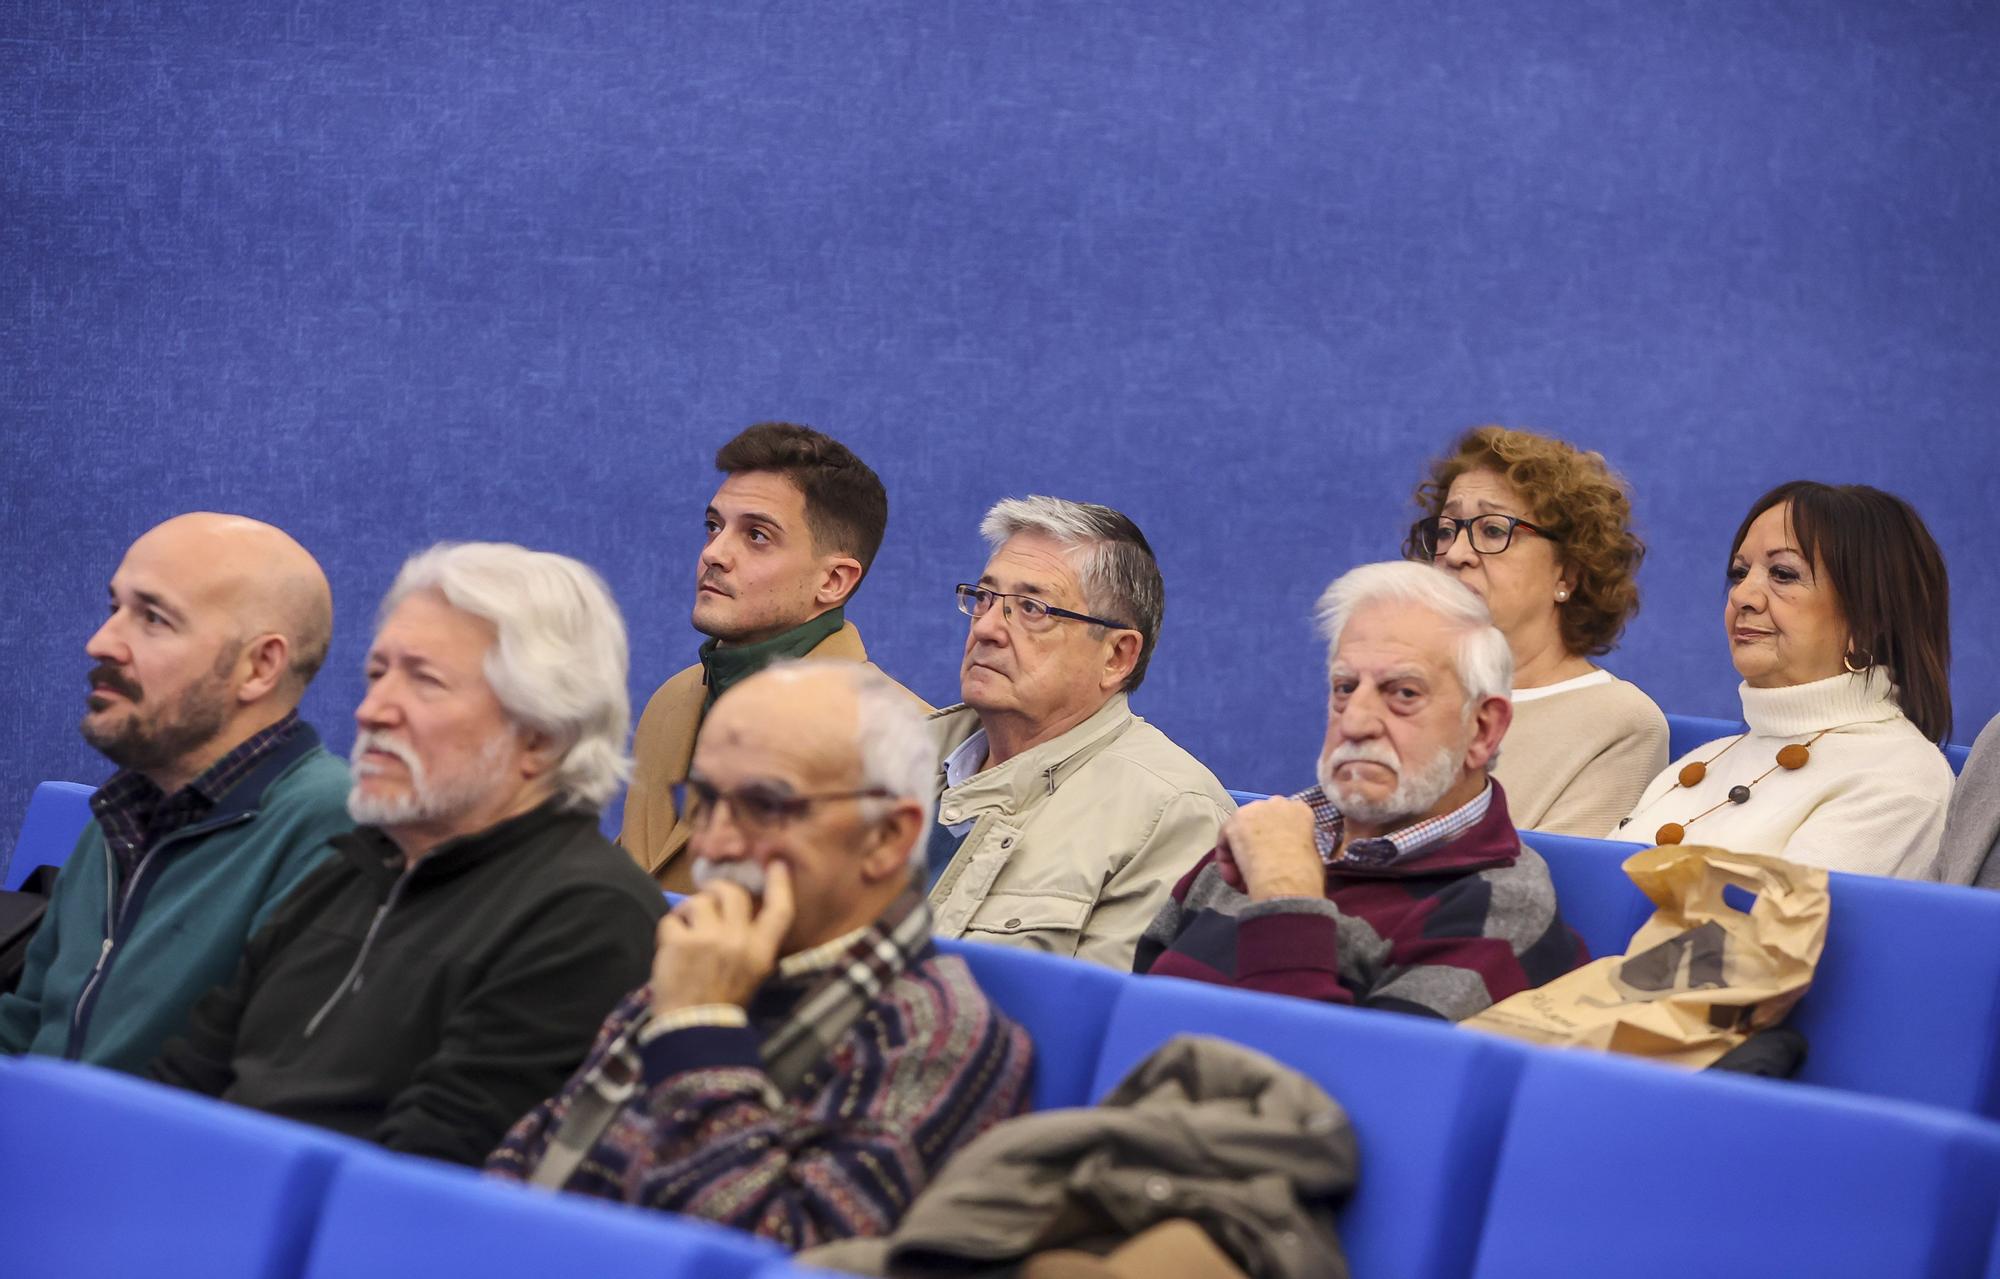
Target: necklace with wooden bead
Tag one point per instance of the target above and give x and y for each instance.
(1790, 758)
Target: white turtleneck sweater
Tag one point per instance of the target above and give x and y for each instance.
(1871, 798)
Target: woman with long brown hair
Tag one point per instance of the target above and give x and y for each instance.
(1839, 620)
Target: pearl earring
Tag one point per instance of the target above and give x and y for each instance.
(1561, 596)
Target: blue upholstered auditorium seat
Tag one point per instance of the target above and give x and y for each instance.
(102, 1174)
(1428, 1101)
(1638, 1170)
(392, 1217)
(1064, 1003)
(1591, 888)
(1907, 994)
(1243, 797)
(1685, 732)
(1906, 1000)
(57, 814)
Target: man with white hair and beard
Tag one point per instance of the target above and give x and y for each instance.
(446, 967)
(1399, 881)
(803, 1059)
(222, 802)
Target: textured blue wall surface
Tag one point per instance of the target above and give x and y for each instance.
(389, 273)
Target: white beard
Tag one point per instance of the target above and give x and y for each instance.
(1415, 790)
(430, 798)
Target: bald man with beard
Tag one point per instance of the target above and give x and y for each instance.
(222, 801)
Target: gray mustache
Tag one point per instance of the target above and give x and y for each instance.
(747, 875)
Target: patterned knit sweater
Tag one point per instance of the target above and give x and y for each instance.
(1442, 934)
(929, 1066)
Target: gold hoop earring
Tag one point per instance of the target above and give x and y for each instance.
(1847, 660)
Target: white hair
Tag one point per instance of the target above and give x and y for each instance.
(1114, 563)
(559, 662)
(896, 750)
(1483, 662)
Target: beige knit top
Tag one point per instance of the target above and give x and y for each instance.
(1579, 754)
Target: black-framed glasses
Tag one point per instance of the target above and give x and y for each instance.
(758, 808)
(1490, 534)
(1036, 615)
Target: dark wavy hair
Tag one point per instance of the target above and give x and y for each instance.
(1577, 497)
(847, 509)
(1889, 579)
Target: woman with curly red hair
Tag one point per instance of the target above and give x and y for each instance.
(1542, 533)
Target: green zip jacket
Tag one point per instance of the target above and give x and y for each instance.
(111, 992)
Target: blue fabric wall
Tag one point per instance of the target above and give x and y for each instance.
(385, 273)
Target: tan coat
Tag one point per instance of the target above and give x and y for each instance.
(1075, 844)
(662, 747)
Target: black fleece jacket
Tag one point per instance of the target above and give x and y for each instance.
(428, 1009)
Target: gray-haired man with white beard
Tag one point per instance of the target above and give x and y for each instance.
(446, 968)
(1399, 881)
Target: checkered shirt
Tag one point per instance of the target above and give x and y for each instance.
(135, 815)
(1406, 844)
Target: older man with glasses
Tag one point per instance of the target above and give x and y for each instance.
(1063, 818)
(804, 1058)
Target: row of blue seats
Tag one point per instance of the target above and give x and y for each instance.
(1480, 1158)
(105, 1175)
(1905, 1003)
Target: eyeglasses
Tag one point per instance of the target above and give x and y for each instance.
(758, 808)
(1035, 615)
(1491, 534)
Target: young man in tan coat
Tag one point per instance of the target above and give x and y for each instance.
(791, 532)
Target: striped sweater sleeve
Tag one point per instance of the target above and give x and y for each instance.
(1444, 946)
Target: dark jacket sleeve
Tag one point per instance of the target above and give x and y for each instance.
(202, 1058)
(526, 1025)
(21, 1008)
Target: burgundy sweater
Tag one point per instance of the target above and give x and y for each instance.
(1444, 934)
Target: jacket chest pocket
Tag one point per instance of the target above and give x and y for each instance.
(1045, 921)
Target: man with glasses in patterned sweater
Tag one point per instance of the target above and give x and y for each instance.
(804, 1058)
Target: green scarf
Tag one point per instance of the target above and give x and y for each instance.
(722, 668)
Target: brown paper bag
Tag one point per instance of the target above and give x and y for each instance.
(1700, 976)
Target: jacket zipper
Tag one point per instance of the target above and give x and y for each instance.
(115, 916)
(352, 981)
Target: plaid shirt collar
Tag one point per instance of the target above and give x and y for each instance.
(134, 815)
(1398, 846)
(843, 977)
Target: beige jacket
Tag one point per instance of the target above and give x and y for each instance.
(1076, 843)
(653, 831)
